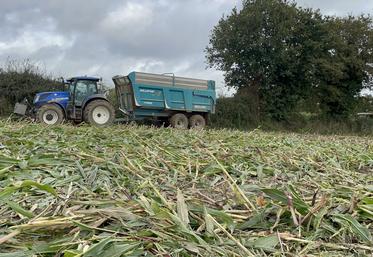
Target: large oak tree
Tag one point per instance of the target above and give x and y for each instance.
(285, 53)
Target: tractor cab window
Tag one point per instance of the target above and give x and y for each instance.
(84, 89)
(66, 87)
(70, 88)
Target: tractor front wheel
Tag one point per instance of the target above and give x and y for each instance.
(99, 113)
(50, 114)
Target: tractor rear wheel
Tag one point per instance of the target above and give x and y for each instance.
(99, 113)
(50, 114)
(197, 122)
(179, 121)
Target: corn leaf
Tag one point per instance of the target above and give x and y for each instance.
(268, 243)
(182, 208)
(359, 230)
(280, 196)
(17, 208)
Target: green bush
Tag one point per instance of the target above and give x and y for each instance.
(241, 112)
(22, 79)
(231, 113)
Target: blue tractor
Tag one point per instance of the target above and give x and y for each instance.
(81, 101)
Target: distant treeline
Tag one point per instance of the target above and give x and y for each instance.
(239, 112)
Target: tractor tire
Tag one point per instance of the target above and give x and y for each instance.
(179, 121)
(197, 122)
(99, 113)
(50, 114)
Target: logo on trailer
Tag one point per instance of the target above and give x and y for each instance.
(200, 107)
(147, 91)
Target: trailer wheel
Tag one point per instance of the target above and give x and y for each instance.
(99, 113)
(50, 114)
(179, 121)
(197, 122)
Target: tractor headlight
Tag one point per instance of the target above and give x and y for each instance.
(36, 99)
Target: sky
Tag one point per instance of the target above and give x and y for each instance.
(107, 38)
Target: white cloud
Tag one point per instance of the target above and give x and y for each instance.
(29, 40)
(129, 18)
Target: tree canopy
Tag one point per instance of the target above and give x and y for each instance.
(286, 53)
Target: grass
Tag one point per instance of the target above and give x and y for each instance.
(142, 191)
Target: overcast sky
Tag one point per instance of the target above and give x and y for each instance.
(106, 38)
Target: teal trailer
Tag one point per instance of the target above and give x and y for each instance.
(182, 102)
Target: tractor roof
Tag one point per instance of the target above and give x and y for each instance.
(83, 78)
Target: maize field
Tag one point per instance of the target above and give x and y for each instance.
(129, 190)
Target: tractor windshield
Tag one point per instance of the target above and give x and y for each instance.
(84, 89)
(70, 88)
(66, 86)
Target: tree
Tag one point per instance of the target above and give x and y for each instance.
(343, 69)
(268, 46)
(286, 53)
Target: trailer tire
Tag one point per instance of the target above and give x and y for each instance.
(197, 122)
(50, 114)
(99, 113)
(179, 121)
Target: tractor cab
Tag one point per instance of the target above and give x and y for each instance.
(80, 88)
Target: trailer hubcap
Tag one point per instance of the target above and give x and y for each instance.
(101, 115)
(50, 117)
(180, 124)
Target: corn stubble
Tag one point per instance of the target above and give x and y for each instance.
(141, 191)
